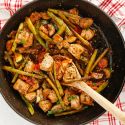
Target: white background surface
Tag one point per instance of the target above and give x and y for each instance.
(9, 117)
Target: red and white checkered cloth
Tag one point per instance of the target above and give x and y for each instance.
(114, 8)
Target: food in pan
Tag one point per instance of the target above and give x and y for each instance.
(52, 48)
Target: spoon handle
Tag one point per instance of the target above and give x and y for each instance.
(107, 105)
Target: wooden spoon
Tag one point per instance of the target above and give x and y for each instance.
(107, 105)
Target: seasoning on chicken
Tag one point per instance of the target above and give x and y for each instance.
(75, 102)
(34, 87)
(45, 105)
(85, 22)
(96, 75)
(21, 86)
(31, 96)
(29, 66)
(47, 63)
(87, 34)
(76, 50)
(71, 73)
(85, 99)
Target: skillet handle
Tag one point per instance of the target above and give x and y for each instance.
(107, 105)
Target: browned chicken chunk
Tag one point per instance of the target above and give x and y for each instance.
(85, 22)
(21, 86)
(31, 96)
(45, 105)
(87, 34)
(76, 50)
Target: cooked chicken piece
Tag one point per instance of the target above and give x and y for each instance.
(65, 43)
(47, 63)
(85, 99)
(36, 16)
(71, 73)
(29, 66)
(103, 63)
(45, 105)
(62, 44)
(51, 29)
(76, 50)
(70, 39)
(61, 63)
(44, 16)
(21, 86)
(46, 92)
(57, 38)
(85, 22)
(52, 96)
(34, 87)
(68, 93)
(74, 11)
(39, 95)
(44, 29)
(57, 108)
(96, 75)
(25, 38)
(9, 44)
(75, 102)
(87, 34)
(31, 96)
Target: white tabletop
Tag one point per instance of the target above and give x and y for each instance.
(9, 117)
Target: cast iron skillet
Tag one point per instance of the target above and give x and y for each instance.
(110, 37)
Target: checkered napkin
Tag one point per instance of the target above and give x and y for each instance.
(114, 8)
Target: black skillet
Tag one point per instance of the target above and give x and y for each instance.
(109, 36)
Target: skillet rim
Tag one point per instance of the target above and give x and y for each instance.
(115, 26)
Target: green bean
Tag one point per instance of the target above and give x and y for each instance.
(85, 42)
(99, 58)
(33, 30)
(91, 61)
(68, 112)
(61, 29)
(16, 75)
(65, 19)
(60, 89)
(56, 91)
(45, 37)
(9, 59)
(29, 105)
(79, 68)
(10, 69)
(51, 76)
(60, 22)
(14, 43)
(102, 87)
(55, 11)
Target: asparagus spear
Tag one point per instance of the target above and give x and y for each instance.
(61, 29)
(65, 19)
(16, 75)
(99, 58)
(33, 30)
(10, 69)
(29, 105)
(60, 22)
(60, 89)
(45, 37)
(102, 87)
(9, 59)
(56, 91)
(91, 61)
(14, 43)
(85, 42)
